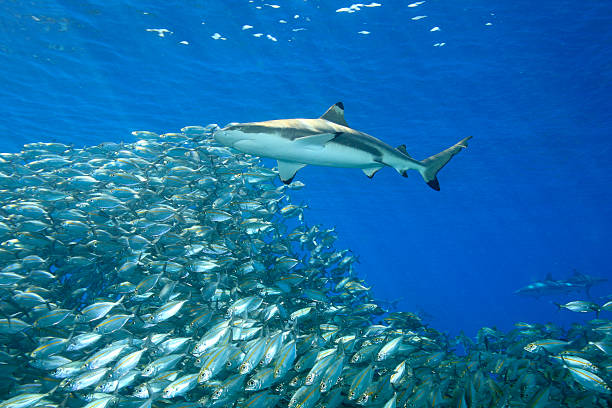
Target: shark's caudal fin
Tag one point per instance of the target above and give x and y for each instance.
(433, 164)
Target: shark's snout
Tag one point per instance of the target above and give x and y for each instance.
(223, 136)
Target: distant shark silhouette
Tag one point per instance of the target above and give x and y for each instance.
(549, 286)
(328, 141)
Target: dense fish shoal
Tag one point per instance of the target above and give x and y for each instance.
(175, 272)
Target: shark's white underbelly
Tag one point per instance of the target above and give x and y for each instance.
(330, 154)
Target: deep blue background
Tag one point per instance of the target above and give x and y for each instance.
(531, 194)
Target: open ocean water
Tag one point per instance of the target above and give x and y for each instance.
(530, 81)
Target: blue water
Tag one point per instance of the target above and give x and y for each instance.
(530, 196)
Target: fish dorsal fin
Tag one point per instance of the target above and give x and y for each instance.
(287, 170)
(336, 114)
(549, 276)
(402, 149)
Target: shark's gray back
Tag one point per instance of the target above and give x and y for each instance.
(293, 129)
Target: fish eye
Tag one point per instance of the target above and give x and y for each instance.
(251, 383)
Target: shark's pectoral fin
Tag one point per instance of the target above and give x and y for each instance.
(287, 170)
(316, 141)
(371, 171)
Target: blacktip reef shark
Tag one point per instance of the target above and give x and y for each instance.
(328, 141)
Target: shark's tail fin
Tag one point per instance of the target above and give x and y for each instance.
(433, 164)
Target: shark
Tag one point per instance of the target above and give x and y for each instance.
(549, 286)
(328, 141)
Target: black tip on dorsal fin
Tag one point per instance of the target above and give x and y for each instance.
(335, 114)
(402, 149)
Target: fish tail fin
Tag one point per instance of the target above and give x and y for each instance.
(433, 164)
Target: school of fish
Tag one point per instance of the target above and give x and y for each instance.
(175, 272)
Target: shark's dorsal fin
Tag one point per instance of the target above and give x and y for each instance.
(402, 149)
(549, 276)
(287, 170)
(336, 114)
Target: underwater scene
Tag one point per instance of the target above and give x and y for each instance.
(302, 203)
